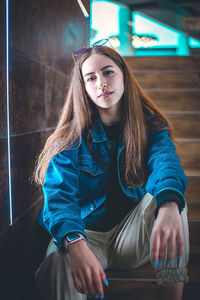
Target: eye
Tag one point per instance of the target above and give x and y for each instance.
(109, 72)
(90, 79)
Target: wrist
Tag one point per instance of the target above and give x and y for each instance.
(73, 238)
(169, 204)
(76, 246)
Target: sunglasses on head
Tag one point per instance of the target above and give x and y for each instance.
(96, 44)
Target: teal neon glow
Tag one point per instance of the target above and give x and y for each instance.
(104, 20)
(193, 43)
(166, 37)
(86, 15)
(8, 114)
(104, 23)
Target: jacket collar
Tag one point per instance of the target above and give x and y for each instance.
(98, 132)
(99, 135)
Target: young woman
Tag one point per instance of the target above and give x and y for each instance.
(113, 185)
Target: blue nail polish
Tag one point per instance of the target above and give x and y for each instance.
(97, 297)
(90, 297)
(160, 262)
(169, 262)
(179, 257)
(155, 262)
(106, 282)
(101, 297)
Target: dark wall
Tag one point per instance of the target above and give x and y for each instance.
(43, 35)
(4, 216)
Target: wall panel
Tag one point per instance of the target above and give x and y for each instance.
(43, 35)
(49, 30)
(27, 95)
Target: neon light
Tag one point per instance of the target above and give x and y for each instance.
(108, 12)
(193, 43)
(166, 36)
(83, 9)
(8, 113)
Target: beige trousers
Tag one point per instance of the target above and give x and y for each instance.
(125, 246)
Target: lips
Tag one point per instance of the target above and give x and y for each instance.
(105, 95)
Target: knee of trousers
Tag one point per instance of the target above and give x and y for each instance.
(53, 264)
(54, 279)
(54, 272)
(175, 270)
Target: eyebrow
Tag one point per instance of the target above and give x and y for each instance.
(101, 70)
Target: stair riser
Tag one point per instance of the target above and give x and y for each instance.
(127, 290)
(176, 101)
(186, 126)
(168, 80)
(144, 290)
(189, 154)
(192, 196)
(164, 63)
(194, 230)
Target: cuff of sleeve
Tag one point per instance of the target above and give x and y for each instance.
(64, 237)
(169, 195)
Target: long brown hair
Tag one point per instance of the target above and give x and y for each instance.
(77, 115)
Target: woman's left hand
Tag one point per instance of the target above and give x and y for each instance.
(167, 230)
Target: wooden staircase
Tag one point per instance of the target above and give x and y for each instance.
(173, 84)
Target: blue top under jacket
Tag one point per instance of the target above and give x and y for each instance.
(76, 183)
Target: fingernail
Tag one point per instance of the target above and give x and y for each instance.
(155, 262)
(106, 282)
(160, 262)
(169, 262)
(97, 297)
(90, 297)
(101, 297)
(179, 257)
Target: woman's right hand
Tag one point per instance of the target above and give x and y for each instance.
(87, 272)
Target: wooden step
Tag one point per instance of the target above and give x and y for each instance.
(194, 267)
(189, 153)
(194, 229)
(168, 79)
(144, 290)
(141, 283)
(192, 197)
(147, 271)
(168, 100)
(186, 125)
(120, 289)
(191, 173)
(163, 63)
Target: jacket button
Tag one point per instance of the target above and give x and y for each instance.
(91, 206)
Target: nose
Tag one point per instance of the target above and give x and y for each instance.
(102, 83)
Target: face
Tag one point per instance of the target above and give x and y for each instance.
(103, 81)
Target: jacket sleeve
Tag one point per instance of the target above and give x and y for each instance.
(166, 173)
(61, 213)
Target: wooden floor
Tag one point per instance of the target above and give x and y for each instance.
(173, 84)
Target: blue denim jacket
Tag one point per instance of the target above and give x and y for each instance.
(75, 183)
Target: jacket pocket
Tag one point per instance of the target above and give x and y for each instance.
(89, 166)
(92, 178)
